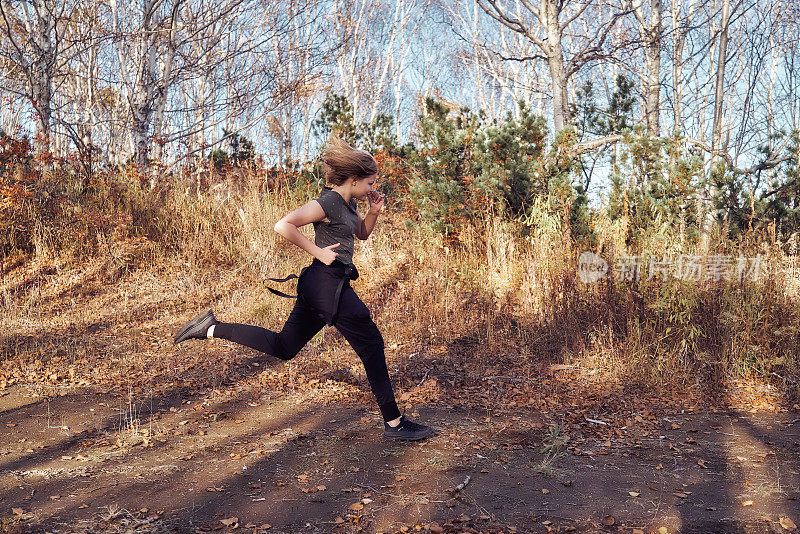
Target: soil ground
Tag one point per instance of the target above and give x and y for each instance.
(259, 446)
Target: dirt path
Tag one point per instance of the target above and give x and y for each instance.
(221, 460)
(107, 427)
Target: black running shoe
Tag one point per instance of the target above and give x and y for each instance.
(197, 327)
(407, 431)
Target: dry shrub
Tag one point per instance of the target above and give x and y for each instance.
(507, 293)
(497, 296)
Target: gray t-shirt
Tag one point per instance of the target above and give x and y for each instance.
(342, 222)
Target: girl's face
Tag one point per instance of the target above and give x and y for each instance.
(362, 187)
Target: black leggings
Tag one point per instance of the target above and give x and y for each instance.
(353, 321)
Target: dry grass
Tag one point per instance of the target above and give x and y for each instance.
(501, 300)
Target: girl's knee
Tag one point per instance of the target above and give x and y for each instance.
(282, 352)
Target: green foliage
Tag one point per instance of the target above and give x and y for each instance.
(507, 159)
(336, 118)
(443, 167)
(615, 118)
(241, 151)
(657, 188)
(776, 202)
(465, 168)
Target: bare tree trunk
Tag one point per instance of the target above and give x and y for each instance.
(548, 14)
(652, 30)
(709, 214)
(547, 33)
(146, 85)
(38, 65)
(678, 40)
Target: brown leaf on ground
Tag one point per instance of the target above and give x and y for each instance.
(609, 520)
(787, 524)
(230, 522)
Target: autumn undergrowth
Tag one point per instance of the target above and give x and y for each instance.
(496, 301)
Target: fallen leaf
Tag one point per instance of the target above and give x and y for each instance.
(545, 491)
(634, 493)
(230, 521)
(434, 528)
(787, 524)
(366, 501)
(662, 530)
(747, 503)
(321, 488)
(608, 520)
(400, 478)
(338, 520)
(680, 494)
(637, 531)
(356, 506)
(265, 526)
(17, 511)
(659, 466)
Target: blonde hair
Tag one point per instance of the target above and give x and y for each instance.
(341, 162)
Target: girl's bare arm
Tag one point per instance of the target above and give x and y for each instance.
(367, 224)
(288, 226)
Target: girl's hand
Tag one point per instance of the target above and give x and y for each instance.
(376, 201)
(327, 256)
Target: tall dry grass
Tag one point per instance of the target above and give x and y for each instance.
(501, 298)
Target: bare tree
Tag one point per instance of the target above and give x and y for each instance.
(652, 32)
(31, 31)
(144, 38)
(546, 24)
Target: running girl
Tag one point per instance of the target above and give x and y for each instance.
(324, 295)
